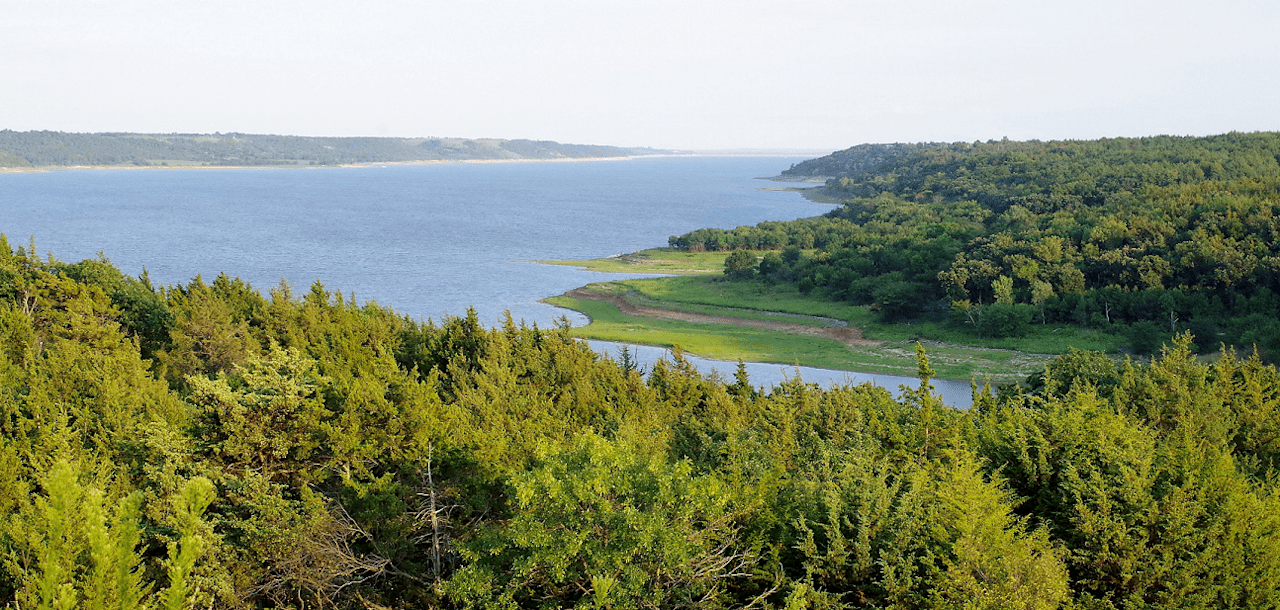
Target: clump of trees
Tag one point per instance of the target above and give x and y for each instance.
(206, 446)
(1143, 237)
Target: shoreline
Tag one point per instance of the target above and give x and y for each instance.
(889, 354)
(850, 336)
(954, 363)
(57, 168)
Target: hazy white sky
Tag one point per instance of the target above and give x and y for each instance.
(694, 74)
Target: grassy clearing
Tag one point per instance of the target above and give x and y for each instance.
(1040, 339)
(654, 260)
(724, 342)
(634, 291)
(700, 288)
(715, 341)
(714, 291)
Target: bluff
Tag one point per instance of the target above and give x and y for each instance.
(55, 149)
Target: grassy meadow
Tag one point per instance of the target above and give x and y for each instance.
(714, 341)
(697, 285)
(727, 342)
(653, 260)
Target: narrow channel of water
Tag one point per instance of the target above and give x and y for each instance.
(953, 392)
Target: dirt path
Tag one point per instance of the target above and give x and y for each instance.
(848, 335)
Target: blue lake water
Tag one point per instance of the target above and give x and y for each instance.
(426, 240)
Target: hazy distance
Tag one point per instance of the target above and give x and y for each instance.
(818, 75)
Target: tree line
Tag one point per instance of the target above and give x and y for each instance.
(1147, 237)
(204, 445)
(853, 161)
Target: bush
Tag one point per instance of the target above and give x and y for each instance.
(598, 524)
(1146, 336)
(740, 265)
(1256, 331)
(1001, 320)
(772, 267)
(899, 300)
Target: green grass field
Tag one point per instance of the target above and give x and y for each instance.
(714, 341)
(714, 291)
(654, 260)
(954, 353)
(726, 342)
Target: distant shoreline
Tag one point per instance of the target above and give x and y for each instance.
(59, 168)
(701, 153)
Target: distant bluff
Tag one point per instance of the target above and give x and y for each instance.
(31, 149)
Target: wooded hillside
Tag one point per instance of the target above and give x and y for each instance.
(1143, 237)
(205, 446)
(854, 161)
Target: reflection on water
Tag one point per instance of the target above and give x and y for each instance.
(953, 392)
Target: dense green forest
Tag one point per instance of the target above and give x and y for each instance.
(1141, 237)
(206, 446)
(53, 148)
(853, 161)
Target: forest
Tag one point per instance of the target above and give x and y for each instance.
(208, 446)
(35, 149)
(853, 161)
(1145, 238)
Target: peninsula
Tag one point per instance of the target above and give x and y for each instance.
(1016, 249)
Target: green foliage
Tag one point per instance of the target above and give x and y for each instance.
(191, 502)
(266, 415)
(76, 555)
(740, 265)
(208, 334)
(1124, 485)
(854, 161)
(993, 561)
(52, 584)
(143, 313)
(1158, 235)
(114, 581)
(313, 452)
(1078, 369)
(1006, 320)
(772, 266)
(600, 526)
(899, 300)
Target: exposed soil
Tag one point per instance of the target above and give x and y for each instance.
(848, 335)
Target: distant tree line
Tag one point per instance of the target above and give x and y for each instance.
(1143, 236)
(855, 161)
(204, 446)
(53, 148)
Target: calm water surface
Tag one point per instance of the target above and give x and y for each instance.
(426, 240)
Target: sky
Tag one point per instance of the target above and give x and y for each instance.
(818, 75)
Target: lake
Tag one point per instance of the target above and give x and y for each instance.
(427, 240)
